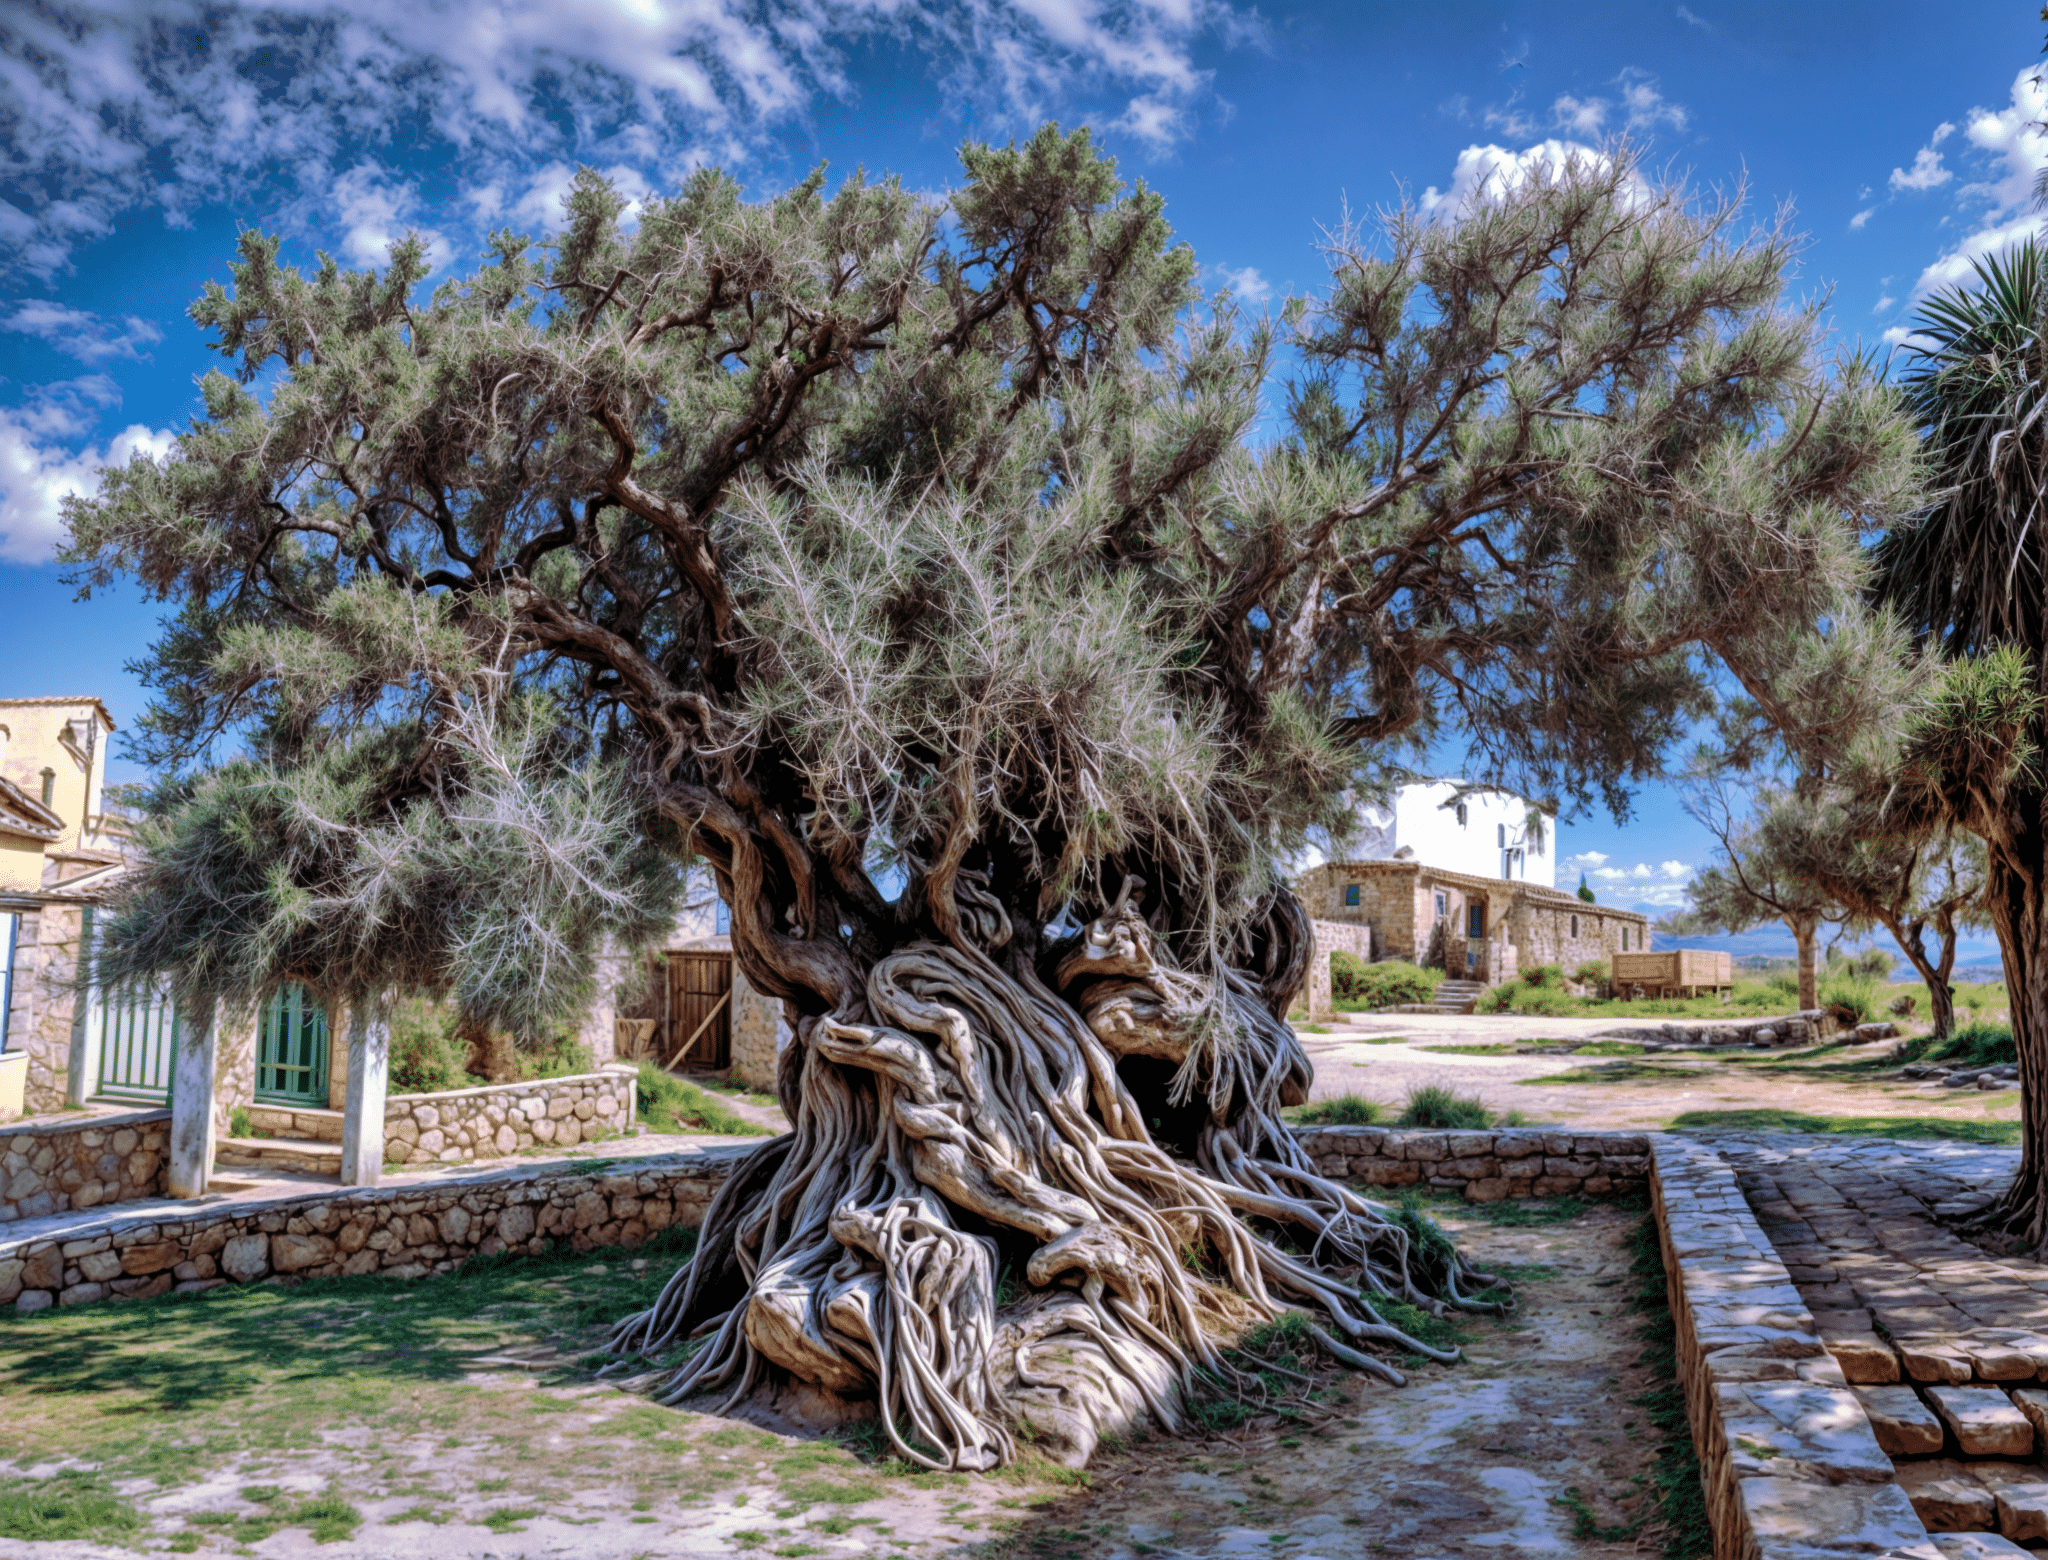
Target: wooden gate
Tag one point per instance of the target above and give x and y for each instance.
(138, 1043)
(291, 1050)
(699, 1009)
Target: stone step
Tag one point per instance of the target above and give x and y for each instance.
(296, 1154)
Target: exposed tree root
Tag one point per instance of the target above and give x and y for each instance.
(972, 1225)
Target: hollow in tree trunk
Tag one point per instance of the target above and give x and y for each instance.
(1033, 1189)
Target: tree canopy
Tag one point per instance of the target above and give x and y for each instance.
(963, 547)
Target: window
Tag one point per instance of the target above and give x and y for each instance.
(1351, 896)
(1624, 939)
(1575, 927)
(1443, 905)
(1462, 815)
(1501, 830)
(1475, 922)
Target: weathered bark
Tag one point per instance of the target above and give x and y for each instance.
(1032, 1190)
(491, 1054)
(2016, 896)
(1934, 973)
(1805, 932)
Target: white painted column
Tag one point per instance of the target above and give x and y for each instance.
(192, 1128)
(369, 1079)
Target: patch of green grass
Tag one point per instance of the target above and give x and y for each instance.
(1972, 1045)
(1608, 1048)
(1345, 1110)
(70, 1507)
(509, 1519)
(669, 1104)
(1623, 1071)
(1586, 1521)
(1679, 1503)
(830, 1492)
(1934, 1128)
(1522, 1212)
(147, 1389)
(739, 1091)
(1435, 1105)
(1383, 1040)
(418, 1514)
(1491, 1048)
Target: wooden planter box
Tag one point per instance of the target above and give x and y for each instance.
(1675, 972)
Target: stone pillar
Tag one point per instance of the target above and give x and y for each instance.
(192, 1124)
(88, 1027)
(369, 1078)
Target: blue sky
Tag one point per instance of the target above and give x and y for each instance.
(138, 138)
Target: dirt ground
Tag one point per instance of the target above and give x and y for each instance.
(1382, 1056)
(1471, 1460)
(453, 1425)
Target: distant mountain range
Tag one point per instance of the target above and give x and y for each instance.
(1976, 954)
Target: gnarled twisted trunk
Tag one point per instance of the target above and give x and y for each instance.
(1030, 1189)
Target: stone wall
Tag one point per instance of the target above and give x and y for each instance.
(1487, 1165)
(1389, 902)
(499, 1119)
(1790, 1465)
(758, 1034)
(51, 1167)
(43, 1001)
(404, 1231)
(1331, 937)
(1568, 934)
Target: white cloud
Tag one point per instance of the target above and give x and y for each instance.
(1998, 208)
(1647, 107)
(1927, 173)
(1579, 116)
(1675, 869)
(174, 104)
(372, 211)
(1856, 222)
(1691, 20)
(85, 336)
(1245, 281)
(1586, 858)
(1884, 303)
(1486, 173)
(39, 464)
(1641, 107)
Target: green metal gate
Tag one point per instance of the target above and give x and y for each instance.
(291, 1050)
(138, 1042)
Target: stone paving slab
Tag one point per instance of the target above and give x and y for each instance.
(1791, 1466)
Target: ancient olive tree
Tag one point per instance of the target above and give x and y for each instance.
(923, 570)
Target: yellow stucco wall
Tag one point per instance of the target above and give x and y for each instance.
(34, 742)
(21, 862)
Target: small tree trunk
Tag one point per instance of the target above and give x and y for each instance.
(1941, 996)
(1805, 930)
(2015, 898)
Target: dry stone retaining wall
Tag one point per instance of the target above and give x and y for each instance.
(1485, 1165)
(51, 1167)
(499, 1119)
(402, 1231)
(1790, 1465)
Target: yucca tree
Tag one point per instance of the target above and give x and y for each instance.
(1967, 575)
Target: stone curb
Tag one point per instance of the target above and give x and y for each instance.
(1790, 1465)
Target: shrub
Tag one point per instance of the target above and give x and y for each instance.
(1975, 1045)
(1345, 970)
(1387, 984)
(1434, 1105)
(1594, 972)
(238, 1122)
(1852, 999)
(1903, 1006)
(426, 1055)
(668, 1104)
(1544, 975)
(1497, 999)
(562, 1057)
(1346, 1110)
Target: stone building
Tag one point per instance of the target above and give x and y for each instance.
(1417, 874)
(1493, 928)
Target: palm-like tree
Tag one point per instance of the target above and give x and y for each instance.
(1969, 575)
